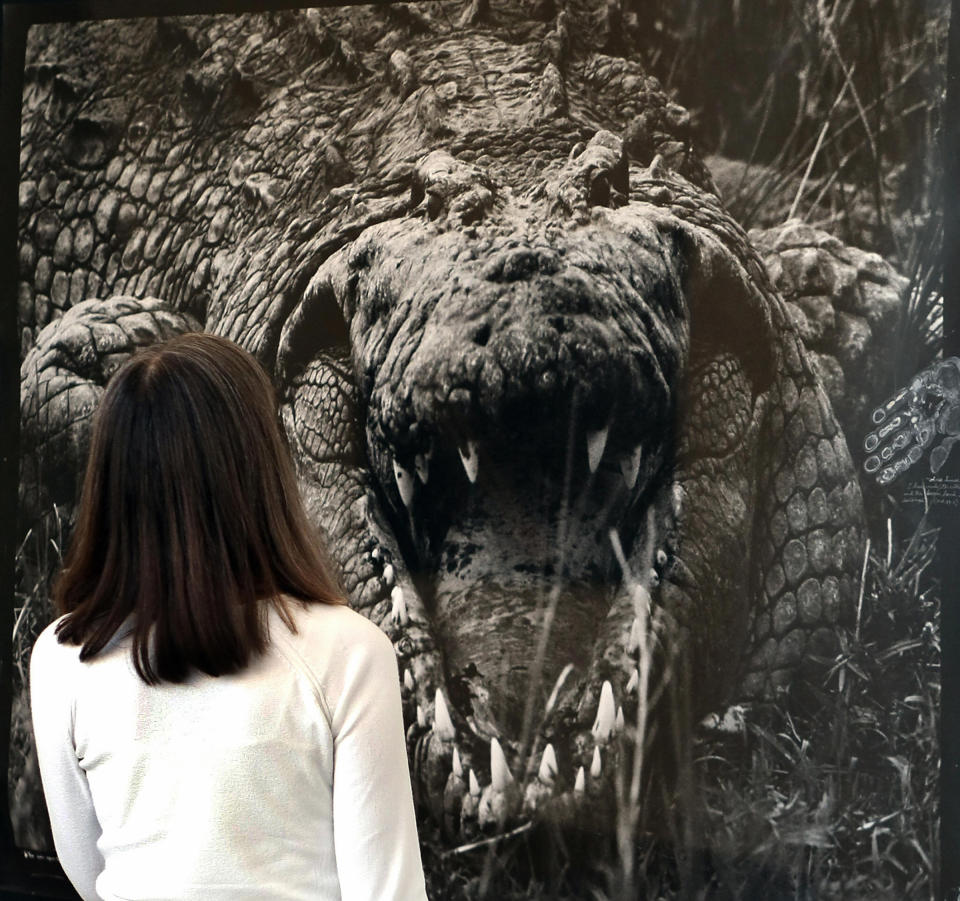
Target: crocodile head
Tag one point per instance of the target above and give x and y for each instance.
(548, 413)
(539, 382)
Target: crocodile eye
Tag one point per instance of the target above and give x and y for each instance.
(137, 132)
(317, 324)
(726, 316)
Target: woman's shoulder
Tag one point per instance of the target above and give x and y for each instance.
(48, 647)
(53, 661)
(335, 641)
(348, 658)
(48, 642)
(339, 626)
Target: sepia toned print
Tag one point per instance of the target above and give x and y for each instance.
(581, 409)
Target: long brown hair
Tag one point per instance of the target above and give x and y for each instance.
(189, 516)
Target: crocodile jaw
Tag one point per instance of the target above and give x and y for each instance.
(517, 399)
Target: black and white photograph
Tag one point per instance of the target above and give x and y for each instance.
(607, 340)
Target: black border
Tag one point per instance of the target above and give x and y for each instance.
(25, 877)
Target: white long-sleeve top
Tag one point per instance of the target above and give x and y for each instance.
(288, 780)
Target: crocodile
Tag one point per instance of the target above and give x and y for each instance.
(564, 436)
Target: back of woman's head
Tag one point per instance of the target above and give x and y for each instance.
(189, 517)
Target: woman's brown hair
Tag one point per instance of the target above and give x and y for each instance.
(189, 517)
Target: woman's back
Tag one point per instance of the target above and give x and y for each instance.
(211, 721)
(228, 787)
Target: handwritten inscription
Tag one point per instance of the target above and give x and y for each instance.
(933, 492)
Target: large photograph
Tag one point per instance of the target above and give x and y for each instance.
(607, 338)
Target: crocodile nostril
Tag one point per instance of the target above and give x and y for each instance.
(482, 335)
(599, 191)
(560, 324)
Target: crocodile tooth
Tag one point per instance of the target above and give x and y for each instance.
(630, 466)
(470, 458)
(633, 642)
(676, 499)
(375, 553)
(596, 442)
(654, 577)
(633, 682)
(474, 785)
(580, 782)
(442, 724)
(388, 575)
(422, 465)
(620, 720)
(398, 611)
(421, 717)
(595, 765)
(457, 765)
(404, 483)
(548, 765)
(606, 713)
(500, 776)
(408, 682)
(470, 804)
(661, 556)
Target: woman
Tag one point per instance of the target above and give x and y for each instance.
(212, 722)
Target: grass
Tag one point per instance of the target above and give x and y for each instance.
(38, 557)
(836, 799)
(844, 800)
(834, 105)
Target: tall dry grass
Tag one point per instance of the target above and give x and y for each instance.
(834, 105)
(836, 797)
